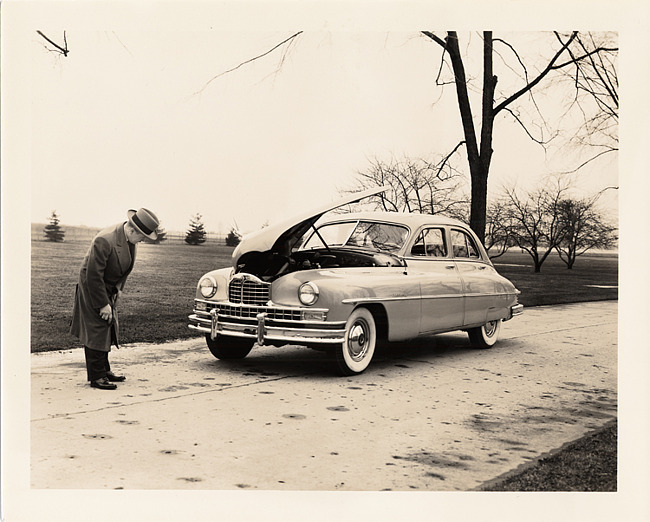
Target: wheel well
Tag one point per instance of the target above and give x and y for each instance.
(381, 319)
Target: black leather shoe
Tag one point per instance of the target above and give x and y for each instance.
(103, 384)
(115, 378)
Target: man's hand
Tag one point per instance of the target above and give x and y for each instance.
(106, 313)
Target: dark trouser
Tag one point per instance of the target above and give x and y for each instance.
(96, 364)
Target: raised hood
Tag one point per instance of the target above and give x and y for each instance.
(282, 236)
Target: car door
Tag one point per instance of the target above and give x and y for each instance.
(477, 277)
(441, 305)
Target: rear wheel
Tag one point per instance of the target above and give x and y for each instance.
(229, 347)
(355, 353)
(485, 336)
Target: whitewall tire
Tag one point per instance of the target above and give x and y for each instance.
(355, 353)
(485, 336)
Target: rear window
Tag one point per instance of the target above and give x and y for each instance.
(463, 245)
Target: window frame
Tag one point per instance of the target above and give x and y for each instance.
(469, 241)
(421, 232)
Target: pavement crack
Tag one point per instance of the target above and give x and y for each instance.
(557, 330)
(163, 399)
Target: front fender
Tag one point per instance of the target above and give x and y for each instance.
(222, 278)
(340, 291)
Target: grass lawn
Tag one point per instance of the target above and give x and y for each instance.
(587, 464)
(594, 277)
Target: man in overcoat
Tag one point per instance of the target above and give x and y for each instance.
(103, 273)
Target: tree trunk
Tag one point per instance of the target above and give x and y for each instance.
(478, 209)
(571, 258)
(537, 262)
(480, 178)
(478, 159)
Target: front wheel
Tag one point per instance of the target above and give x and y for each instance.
(229, 347)
(355, 353)
(485, 336)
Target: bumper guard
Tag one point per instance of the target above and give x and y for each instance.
(263, 330)
(516, 310)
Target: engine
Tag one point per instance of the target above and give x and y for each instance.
(271, 265)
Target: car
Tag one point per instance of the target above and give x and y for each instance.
(344, 282)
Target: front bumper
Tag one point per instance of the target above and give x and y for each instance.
(265, 323)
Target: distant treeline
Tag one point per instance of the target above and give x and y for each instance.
(81, 233)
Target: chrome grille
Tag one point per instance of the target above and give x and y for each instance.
(249, 292)
(250, 312)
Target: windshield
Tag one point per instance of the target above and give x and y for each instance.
(381, 237)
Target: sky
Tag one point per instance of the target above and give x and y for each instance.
(134, 117)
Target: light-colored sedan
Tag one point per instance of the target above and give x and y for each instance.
(344, 282)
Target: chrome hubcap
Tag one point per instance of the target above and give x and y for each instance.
(490, 328)
(358, 341)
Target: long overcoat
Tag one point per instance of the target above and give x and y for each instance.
(103, 273)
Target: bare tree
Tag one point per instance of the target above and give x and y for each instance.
(534, 219)
(415, 185)
(584, 228)
(479, 146)
(498, 230)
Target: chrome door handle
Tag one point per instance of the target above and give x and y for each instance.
(450, 267)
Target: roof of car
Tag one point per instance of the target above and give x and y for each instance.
(410, 219)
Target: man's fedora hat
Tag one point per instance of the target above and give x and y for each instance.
(144, 221)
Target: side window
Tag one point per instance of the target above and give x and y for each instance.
(458, 244)
(471, 247)
(430, 243)
(463, 245)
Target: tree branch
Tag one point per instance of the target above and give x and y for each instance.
(448, 157)
(523, 66)
(601, 153)
(539, 78)
(436, 39)
(248, 61)
(514, 51)
(521, 123)
(553, 66)
(63, 50)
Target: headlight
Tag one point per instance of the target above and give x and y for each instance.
(208, 287)
(308, 293)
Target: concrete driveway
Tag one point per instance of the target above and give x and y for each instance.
(433, 415)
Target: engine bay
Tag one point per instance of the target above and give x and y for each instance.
(270, 265)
